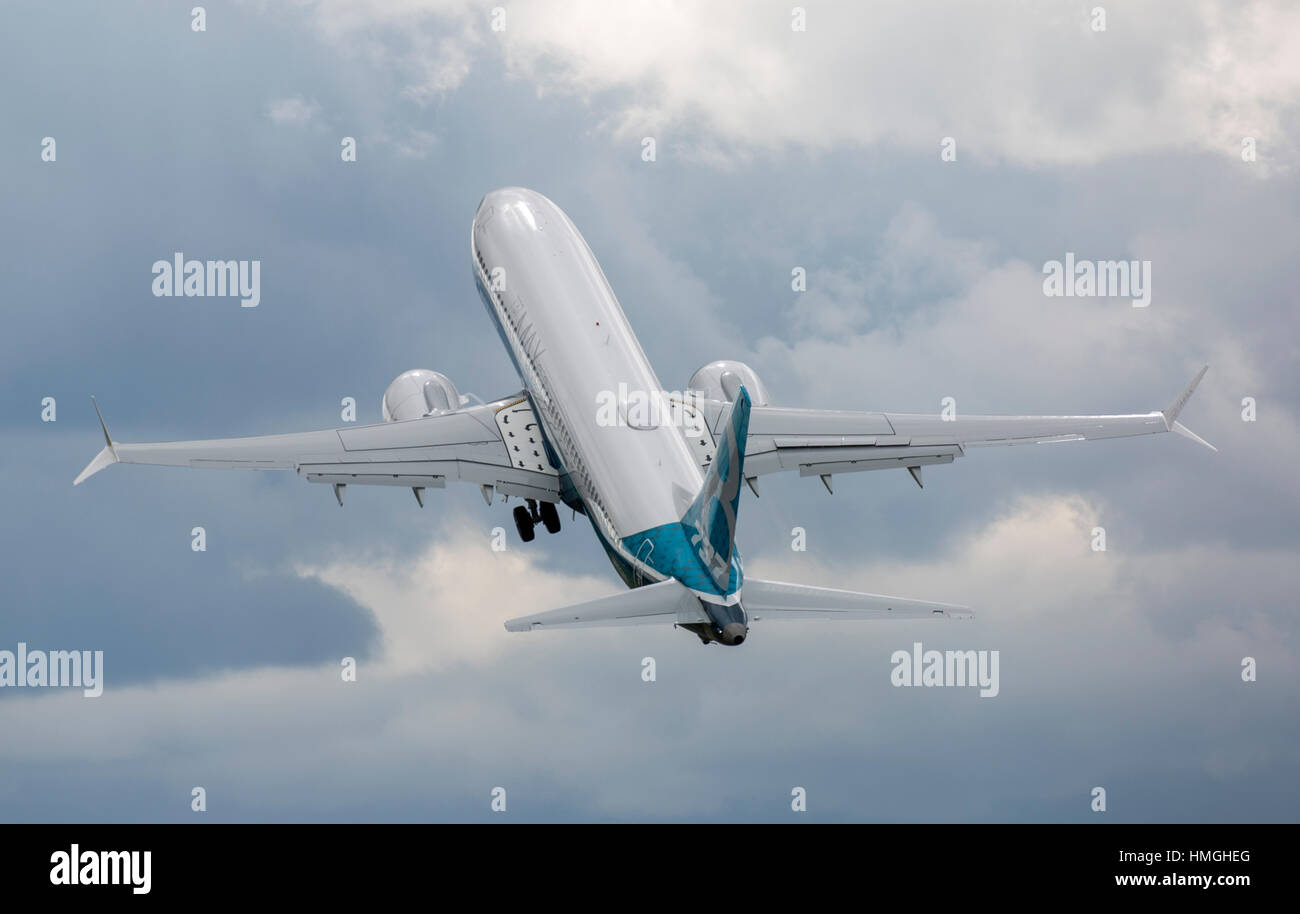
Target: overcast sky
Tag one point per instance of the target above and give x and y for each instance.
(775, 149)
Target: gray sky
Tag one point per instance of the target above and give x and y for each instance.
(775, 149)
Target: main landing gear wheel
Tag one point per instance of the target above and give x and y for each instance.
(550, 517)
(524, 524)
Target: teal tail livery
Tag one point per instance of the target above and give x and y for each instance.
(657, 474)
(710, 521)
(699, 549)
(697, 577)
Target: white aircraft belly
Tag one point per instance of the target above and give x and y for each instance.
(573, 344)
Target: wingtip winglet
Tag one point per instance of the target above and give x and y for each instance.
(107, 439)
(105, 457)
(1188, 433)
(1171, 413)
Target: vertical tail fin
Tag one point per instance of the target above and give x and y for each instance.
(711, 518)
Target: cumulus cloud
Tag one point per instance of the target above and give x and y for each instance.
(1034, 565)
(449, 604)
(457, 705)
(1119, 668)
(1033, 85)
(968, 308)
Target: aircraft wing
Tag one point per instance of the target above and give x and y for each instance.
(824, 442)
(495, 444)
(779, 600)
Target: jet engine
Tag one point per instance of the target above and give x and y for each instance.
(419, 392)
(722, 380)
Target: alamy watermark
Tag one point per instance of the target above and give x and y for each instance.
(77, 867)
(1099, 279)
(650, 409)
(203, 278)
(954, 669)
(53, 669)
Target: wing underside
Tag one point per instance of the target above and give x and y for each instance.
(496, 444)
(825, 442)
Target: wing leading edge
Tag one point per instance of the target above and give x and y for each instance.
(824, 442)
(477, 445)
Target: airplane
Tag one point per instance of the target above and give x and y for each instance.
(660, 487)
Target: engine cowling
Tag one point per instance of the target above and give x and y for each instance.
(722, 380)
(419, 392)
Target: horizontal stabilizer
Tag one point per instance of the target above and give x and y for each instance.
(667, 601)
(779, 600)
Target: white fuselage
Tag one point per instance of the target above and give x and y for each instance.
(573, 346)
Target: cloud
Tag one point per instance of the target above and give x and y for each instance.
(458, 703)
(956, 307)
(294, 111)
(449, 604)
(915, 262)
(1033, 85)
(720, 82)
(1033, 565)
(432, 43)
(438, 67)
(416, 145)
(1119, 668)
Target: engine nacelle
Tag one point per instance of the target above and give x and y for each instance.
(721, 380)
(419, 392)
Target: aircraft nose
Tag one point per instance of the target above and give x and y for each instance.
(733, 634)
(491, 198)
(520, 207)
(503, 197)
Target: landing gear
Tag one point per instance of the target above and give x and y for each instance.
(524, 524)
(527, 519)
(550, 517)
